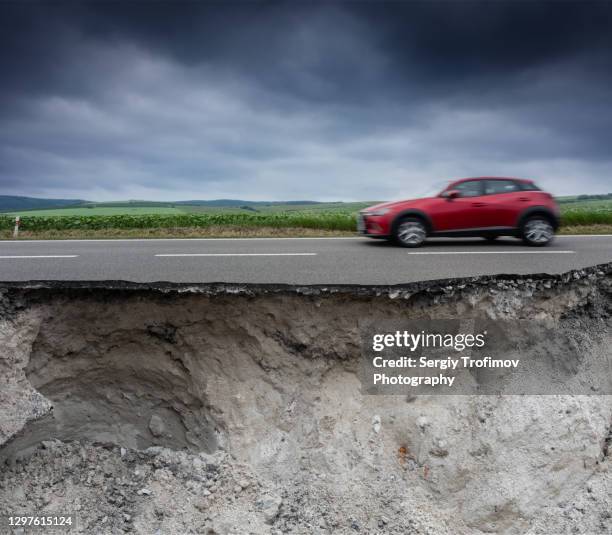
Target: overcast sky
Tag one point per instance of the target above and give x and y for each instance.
(296, 100)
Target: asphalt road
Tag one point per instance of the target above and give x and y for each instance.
(290, 260)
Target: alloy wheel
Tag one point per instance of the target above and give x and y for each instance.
(538, 231)
(411, 233)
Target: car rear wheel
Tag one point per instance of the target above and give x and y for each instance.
(410, 232)
(537, 231)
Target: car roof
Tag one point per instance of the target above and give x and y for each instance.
(491, 178)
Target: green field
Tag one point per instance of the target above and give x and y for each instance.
(320, 220)
(587, 205)
(577, 211)
(168, 208)
(336, 216)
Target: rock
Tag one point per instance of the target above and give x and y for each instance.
(144, 492)
(201, 506)
(198, 464)
(19, 494)
(156, 426)
(422, 422)
(270, 507)
(439, 448)
(376, 423)
(211, 462)
(244, 483)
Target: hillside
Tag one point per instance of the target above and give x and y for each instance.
(29, 206)
(18, 204)
(10, 203)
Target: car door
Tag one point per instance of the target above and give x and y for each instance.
(504, 199)
(463, 212)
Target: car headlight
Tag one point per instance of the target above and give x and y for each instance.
(381, 211)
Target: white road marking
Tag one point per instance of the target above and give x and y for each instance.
(492, 252)
(239, 254)
(42, 256)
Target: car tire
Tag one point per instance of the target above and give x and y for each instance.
(410, 232)
(537, 231)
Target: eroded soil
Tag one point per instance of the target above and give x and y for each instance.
(238, 409)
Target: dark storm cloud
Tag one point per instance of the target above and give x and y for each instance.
(301, 100)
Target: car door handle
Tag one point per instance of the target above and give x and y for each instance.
(479, 204)
(524, 199)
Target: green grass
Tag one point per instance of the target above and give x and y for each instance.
(578, 216)
(577, 211)
(187, 209)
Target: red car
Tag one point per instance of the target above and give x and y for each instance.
(486, 206)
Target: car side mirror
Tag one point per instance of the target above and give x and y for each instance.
(451, 194)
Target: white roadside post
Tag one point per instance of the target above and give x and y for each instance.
(16, 231)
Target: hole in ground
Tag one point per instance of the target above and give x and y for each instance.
(131, 389)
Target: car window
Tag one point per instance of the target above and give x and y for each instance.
(528, 186)
(471, 188)
(500, 186)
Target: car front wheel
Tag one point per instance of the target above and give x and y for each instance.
(410, 232)
(537, 231)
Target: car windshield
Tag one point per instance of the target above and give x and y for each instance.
(432, 190)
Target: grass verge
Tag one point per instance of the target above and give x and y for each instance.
(586, 229)
(227, 232)
(179, 232)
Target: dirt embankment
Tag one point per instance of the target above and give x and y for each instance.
(238, 409)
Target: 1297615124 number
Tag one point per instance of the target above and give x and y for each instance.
(38, 521)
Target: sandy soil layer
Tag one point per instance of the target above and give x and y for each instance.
(238, 409)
